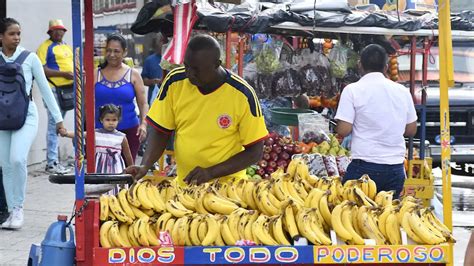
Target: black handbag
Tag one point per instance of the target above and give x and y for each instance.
(65, 96)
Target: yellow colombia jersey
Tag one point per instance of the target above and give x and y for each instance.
(210, 128)
(56, 56)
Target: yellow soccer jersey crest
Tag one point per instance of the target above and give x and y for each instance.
(209, 128)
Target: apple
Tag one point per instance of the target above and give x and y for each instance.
(276, 148)
(261, 172)
(272, 164)
(269, 141)
(266, 156)
(267, 149)
(289, 148)
(269, 170)
(273, 156)
(285, 156)
(282, 163)
(263, 163)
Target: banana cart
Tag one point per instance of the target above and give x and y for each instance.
(87, 211)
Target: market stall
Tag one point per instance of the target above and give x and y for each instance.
(289, 218)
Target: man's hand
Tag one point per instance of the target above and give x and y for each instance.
(68, 75)
(157, 81)
(198, 176)
(136, 171)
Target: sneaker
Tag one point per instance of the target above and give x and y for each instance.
(57, 168)
(7, 223)
(17, 218)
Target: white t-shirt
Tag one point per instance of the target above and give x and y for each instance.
(379, 110)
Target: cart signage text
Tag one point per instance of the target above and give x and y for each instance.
(248, 254)
(387, 254)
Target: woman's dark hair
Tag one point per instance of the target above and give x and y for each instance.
(114, 37)
(110, 109)
(7, 22)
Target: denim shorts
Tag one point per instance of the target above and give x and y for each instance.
(386, 176)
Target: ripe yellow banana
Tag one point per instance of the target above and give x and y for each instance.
(212, 234)
(324, 209)
(278, 233)
(122, 197)
(161, 222)
(303, 221)
(148, 212)
(387, 210)
(115, 237)
(362, 199)
(123, 230)
(372, 189)
(155, 198)
(292, 191)
(440, 226)
(193, 230)
(248, 235)
(369, 226)
(105, 242)
(379, 198)
(234, 195)
(337, 225)
(199, 203)
(143, 196)
(422, 231)
(247, 194)
(151, 235)
(137, 212)
(131, 236)
(260, 229)
(408, 229)
(292, 167)
(388, 198)
(290, 221)
(176, 208)
(233, 221)
(117, 210)
(278, 189)
(226, 233)
(265, 203)
(347, 223)
(132, 196)
(316, 224)
(392, 228)
(202, 229)
(217, 204)
(104, 207)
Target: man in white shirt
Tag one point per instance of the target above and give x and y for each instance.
(378, 113)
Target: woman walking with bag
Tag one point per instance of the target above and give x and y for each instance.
(15, 143)
(119, 84)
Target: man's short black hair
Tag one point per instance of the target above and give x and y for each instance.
(204, 42)
(373, 58)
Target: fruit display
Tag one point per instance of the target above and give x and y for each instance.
(317, 142)
(275, 211)
(393, 68)
(277, 152)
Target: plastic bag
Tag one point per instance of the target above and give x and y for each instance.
(331, 165)
(286, 82)
(316, 165)
(267, 53)
(342, 164)
(313, 128)
(250, 75)
(264, 85)
(338, 58)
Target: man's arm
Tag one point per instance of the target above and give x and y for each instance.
(151, 82)
(469, 257)
(410, 129)
(238, 162)
(343, 128)
(157, 141)
(56, 73)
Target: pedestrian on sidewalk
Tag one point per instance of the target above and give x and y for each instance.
(57, 59)
(16, 143)
(119, 84)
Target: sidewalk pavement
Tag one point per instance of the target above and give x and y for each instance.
(44, 201)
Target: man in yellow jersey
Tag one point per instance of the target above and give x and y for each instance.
(214, 113)
(57, 59)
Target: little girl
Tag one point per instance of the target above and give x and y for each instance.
(110, 144)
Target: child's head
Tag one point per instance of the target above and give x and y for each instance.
(109, 116)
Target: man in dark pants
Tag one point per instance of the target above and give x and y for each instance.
(378, 113)
(3, 202)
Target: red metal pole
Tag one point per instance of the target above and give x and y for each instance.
(241, 55)
(413, 67)
(228, 51)
(89, 69)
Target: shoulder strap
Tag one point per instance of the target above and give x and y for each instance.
(2, 60)
(130, 75)
(99, 75)
(21, 58)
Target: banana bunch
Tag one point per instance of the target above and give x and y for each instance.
(276, 211)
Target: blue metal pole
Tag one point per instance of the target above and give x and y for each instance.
(78, 114)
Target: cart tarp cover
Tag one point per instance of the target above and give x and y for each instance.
(258, 17)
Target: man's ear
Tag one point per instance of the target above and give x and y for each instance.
(218, 63)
